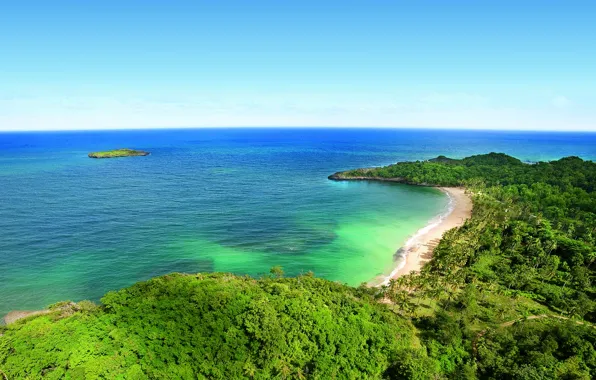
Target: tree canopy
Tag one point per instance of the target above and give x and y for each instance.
(216, 326)
(528, 250)
(509, 295)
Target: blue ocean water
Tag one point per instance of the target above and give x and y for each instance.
(238, 200)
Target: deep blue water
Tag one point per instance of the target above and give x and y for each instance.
(239, 200)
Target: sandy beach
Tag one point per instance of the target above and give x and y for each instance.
(15, 315)
(419, 250)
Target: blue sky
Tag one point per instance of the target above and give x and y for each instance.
(439, 64)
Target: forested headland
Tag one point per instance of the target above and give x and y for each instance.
(509, 295)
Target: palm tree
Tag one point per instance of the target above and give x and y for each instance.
(249, 368)
(383, 291)
(392, 284)
(300, 374)
(591, 257)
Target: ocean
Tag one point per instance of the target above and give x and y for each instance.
(234, 200)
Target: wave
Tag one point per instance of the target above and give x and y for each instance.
(414, 242)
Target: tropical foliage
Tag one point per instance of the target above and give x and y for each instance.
(528, 250)
(509, 295)
(118, 153)
(215, 326)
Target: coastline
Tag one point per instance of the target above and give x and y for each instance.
(411, 257)
(418, 249)
(16, 315)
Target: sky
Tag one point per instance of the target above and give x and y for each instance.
(482, 64)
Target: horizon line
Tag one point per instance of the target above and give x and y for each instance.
(372, 127)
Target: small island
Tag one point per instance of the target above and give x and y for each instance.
(118, 153)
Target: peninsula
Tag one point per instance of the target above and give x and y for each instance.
(419, 248)
(118, 153)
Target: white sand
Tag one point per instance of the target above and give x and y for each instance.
(418, 251)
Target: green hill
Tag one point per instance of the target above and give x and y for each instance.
(214, 326)
(509, 295)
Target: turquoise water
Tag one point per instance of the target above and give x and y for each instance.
(239, 200)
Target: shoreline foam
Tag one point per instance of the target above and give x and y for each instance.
(417, 250)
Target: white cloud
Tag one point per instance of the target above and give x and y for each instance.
(457, 99)
(436, 110)
(560, 102)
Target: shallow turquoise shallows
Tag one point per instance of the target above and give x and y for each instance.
(238, 200)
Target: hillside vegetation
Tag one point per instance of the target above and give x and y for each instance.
(528, 250)
(509, 295)
(215, 326)
(118, 153)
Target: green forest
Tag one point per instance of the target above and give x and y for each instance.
(509, 295)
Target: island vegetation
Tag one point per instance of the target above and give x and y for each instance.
(509, 295)
(118, 153)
